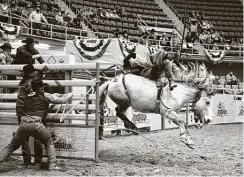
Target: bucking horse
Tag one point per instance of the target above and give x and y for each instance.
(141, 93)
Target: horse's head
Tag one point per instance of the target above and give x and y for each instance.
(203, 108)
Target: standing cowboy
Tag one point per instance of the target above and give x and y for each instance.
(35, 107)
(5, 54)
(5, 59)
(24, 89)
(27, 54)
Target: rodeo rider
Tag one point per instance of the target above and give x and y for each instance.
(160, 62)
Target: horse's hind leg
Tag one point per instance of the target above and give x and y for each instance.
(178, 120)
(120, 112)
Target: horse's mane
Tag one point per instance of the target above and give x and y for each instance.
(188, 73)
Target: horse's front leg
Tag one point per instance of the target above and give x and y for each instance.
(178, 120)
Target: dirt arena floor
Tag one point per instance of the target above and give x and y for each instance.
(219, 152)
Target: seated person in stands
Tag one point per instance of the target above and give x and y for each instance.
(116, 33)
(231, 79)
(164, 40)
(211, 77)
(125, 35)
(216, 37)
(118, 11)
(175, 41)
(59, 18)
(144, 39)
(68, 20)
(4, 11)
(216, 81)
(77, 22)
(153, 37)
(100, 13)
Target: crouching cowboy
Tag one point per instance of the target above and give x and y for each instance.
(160, 70)
(35, 106)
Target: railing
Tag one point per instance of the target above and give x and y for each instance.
(86, 21)
(156, 20)
(238, 91)
(58, 32)
(197, 49)
(142, 23)
(176, 13)
(51, 31)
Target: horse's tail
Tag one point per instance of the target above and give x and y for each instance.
(103, 91)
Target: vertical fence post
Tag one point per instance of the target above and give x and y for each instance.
(97, 111)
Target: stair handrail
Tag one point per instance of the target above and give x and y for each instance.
(78, 12)
(142, 23)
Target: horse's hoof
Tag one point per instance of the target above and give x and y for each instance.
(135, 132)
(187, 140)
(192, 146)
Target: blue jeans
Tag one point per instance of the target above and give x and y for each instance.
(26, 149)
(25, 130)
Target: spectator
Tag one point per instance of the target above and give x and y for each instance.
(194, 28)
(211, 77)
(59, 19)
(216, 81)
(118, 11)
(175, 41)
(144, 39)
(5, 54)
(125, 35)
(36, 18)
(100, 13)
(77, 22)
(68, 20)
(164, 40)
(116, 33)
(36, 3)
(216, 37)
(4, 11)
(52, 6)
(231, 79)
(189, 40)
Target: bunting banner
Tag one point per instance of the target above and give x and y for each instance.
(112, 50)
(216, 56)
(9, 32)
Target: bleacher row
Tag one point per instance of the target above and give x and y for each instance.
(138, 7)
(225, 15)
(149, 9)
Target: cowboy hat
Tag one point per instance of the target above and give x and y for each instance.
(30, 40)
(6, 46)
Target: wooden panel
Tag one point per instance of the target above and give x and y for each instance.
(55, 83)
(51, 116)
(12, 106)
(69, 67)
(75, 96)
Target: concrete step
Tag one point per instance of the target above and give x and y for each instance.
(65, 8)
